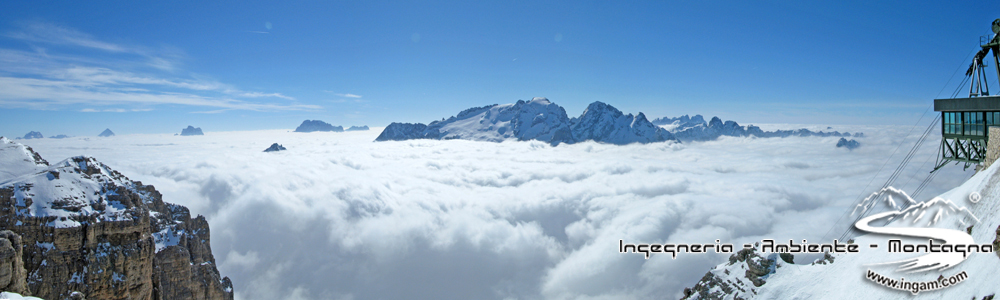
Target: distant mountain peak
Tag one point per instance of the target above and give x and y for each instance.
(106, 133)
(191, 130)
(33, 135)
(317, 125)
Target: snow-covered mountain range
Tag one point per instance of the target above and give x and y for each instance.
(542, 120)
(695, 128)
(538, 119)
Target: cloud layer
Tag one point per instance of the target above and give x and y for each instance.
(337, 216)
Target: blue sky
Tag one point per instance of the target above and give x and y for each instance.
(155, 67)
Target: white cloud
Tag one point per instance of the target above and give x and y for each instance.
(44, 79)
(55, 34)
(340, 216)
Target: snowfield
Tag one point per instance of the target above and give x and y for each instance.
(338, 216)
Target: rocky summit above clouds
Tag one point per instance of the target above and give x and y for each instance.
(274, 147)
(87, 228)
(849, 144)
(191, 130)
(358, 128)
(33, 135)
(317, 125)
(695, 128)
(538, 119)
(107, 132)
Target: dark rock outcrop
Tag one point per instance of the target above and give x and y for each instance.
(849, 144)
(191, 130)
(751, 271)
(358, 128)
(87, 228)
(107, 132)
(317, 125)
(274, 147)
(33, 135)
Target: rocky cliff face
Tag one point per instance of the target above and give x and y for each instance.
(12, 273)
(87, 228)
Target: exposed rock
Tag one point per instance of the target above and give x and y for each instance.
(849, 144)
(61, 136)
(725, 281)
(88, 228)
(106, 133)
(274, 147)
(996, 242)
(358, 128)
(191, 130)
(317, 125)
(33, 135)
(12, 273)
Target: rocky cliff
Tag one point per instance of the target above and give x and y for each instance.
(86, 228)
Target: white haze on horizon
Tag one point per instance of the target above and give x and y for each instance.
(338, 216)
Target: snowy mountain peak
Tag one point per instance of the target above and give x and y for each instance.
(106, 133)
(18, 160)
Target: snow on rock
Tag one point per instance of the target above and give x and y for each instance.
(107, 132)
(317, 125)
(358, 128)
(538, 119)
(191, 130)
(16, 296)
(89, 228)
(604, 123)
(17, 160)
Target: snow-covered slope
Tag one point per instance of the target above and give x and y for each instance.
(538, 119)
(17, 160)
(846, 276)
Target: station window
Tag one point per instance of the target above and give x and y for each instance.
(972, 123)
(952, 123)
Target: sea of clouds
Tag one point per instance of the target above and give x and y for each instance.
(338, 216)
